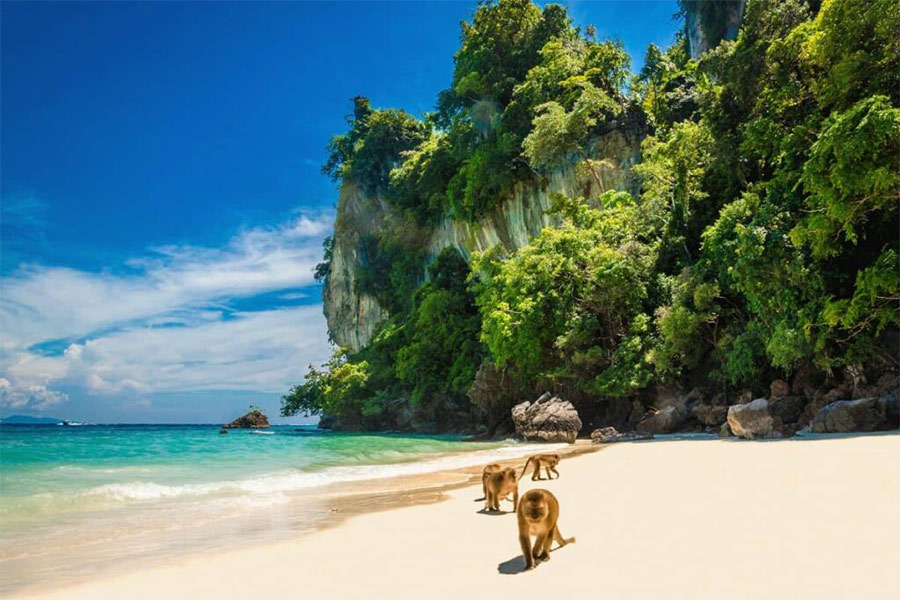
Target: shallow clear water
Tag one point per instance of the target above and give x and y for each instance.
(51, 469)
(75, 498)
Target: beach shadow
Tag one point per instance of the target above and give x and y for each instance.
(494, 513)
(516, 564)
(513, 566)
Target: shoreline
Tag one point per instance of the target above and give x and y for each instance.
(798, 518)
(304, 512)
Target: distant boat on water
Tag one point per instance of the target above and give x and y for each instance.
(66, 423)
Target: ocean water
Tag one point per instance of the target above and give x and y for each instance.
(74, 500)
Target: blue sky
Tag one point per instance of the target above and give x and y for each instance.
(161, 202)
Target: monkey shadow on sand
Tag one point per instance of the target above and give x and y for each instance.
(494, 513)
(516, 564)
(513, 566)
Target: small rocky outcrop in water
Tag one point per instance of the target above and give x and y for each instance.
(864, 414)
(254, 419)
(548, 419)
(609, 435)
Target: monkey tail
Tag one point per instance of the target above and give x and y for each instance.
(560, 539)
(527, 462)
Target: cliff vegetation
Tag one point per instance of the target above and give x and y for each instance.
(756, 238)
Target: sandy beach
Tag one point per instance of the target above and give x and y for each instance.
(676, 519)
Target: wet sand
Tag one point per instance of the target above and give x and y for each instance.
(811, 518)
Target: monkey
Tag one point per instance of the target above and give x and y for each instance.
(499, 485)
(548, 461)
(485, 475)
(537, 514)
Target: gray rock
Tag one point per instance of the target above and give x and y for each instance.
(609, 435)
(666, 420)
(788, 408)
(864, 414)
(753, 421)
(548, 419)
(711, 416)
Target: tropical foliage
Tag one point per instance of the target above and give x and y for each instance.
(764, 240)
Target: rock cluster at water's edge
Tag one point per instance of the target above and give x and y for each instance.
(548, 419)
(863, 414)
(609, 435)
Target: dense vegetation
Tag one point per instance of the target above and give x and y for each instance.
(764, 240)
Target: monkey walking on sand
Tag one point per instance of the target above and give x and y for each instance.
(537, 514)
(500, 484)
(485, 475)
(548, 461)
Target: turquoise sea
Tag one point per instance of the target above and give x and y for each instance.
(76, 500)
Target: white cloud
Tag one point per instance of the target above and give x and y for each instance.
(41, 303)
(33, 397)
(165, 325)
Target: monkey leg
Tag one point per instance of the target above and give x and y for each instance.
(547, 469)
(555, 471)
(545, 551)
(525, 543)
(515, 499)
(538, 552)
(536, 476)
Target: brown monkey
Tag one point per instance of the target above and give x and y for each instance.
(538, 513)
(499, 485)
(485, 475)
(548, 461)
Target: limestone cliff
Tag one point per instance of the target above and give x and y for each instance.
(354, 318)
(728, 13)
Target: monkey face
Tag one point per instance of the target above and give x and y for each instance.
(535, 509)
(509, 474)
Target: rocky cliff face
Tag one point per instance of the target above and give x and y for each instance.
(693, 25)
(354, 318)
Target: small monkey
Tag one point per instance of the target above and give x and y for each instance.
(548, 461)
(485, 475)
(538, 512)
(499, 485)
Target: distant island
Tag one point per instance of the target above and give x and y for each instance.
(29, 420)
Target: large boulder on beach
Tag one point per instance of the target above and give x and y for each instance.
(548, 419)
(864, 414)
(254, 419)
(609, 435)
(753, 420)
(666, 420)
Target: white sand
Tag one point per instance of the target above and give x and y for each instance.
(665, 519)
